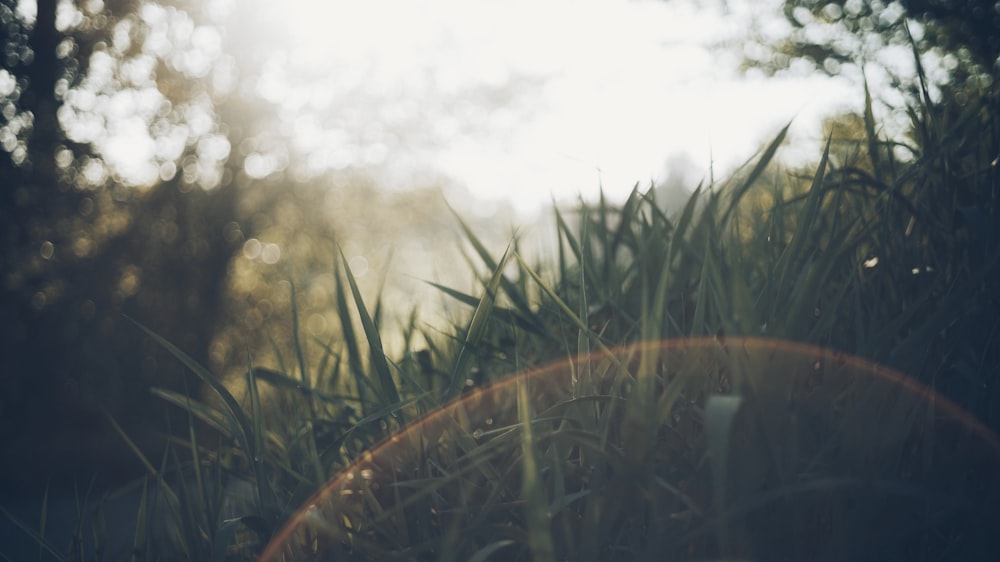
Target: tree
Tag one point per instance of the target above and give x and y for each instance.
(960, 37)
(89, 237)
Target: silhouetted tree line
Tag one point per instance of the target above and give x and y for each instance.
(78, 258)
(83, 251)
(967, 32)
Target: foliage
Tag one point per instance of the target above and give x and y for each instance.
(176, 232)
(649, 419)
(961, 36)
(606, 443)
(87, 239)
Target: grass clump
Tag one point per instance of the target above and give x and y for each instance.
(674, 386)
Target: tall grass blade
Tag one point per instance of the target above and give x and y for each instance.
(350, 340)
(131, 445)
(874, 152)
(568, 312)
(755, 173)
(386, 385)
(794, 259)
(265, 495)
(477, 329)
(578, 251)
(233, 411)
(483, 554)
(214, 418)
(297, 340)
(141, 523)
(720, 411)
(530, 323)
(519, 300)
(533, 489)
(35, 535)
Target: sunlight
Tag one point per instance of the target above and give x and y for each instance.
(524, 100)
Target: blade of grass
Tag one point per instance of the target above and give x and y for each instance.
(873, 143)
(35, 536)
(578, 251)
(510, 288)
(233, 411)
(568, 312)
(533, 489)
(214, 418)
(794, 258)
(530, 323)
(483, 554)
(384, 376)
(477, 329)
(351, 341)
(757, 171)
(139, 539)
(720, 411)
(244, 427)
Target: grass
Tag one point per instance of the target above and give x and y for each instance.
(675, 386)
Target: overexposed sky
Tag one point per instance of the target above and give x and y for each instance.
(525, 100)
(530, 99)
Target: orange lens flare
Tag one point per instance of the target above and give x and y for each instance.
(827, 454)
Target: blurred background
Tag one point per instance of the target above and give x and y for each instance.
(184, 164)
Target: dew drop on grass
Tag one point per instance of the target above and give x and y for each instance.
(314, 514)
(478, 433)
(47, 250)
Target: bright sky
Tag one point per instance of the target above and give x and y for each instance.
(528, 99)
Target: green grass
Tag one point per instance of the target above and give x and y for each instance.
(674, 386)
